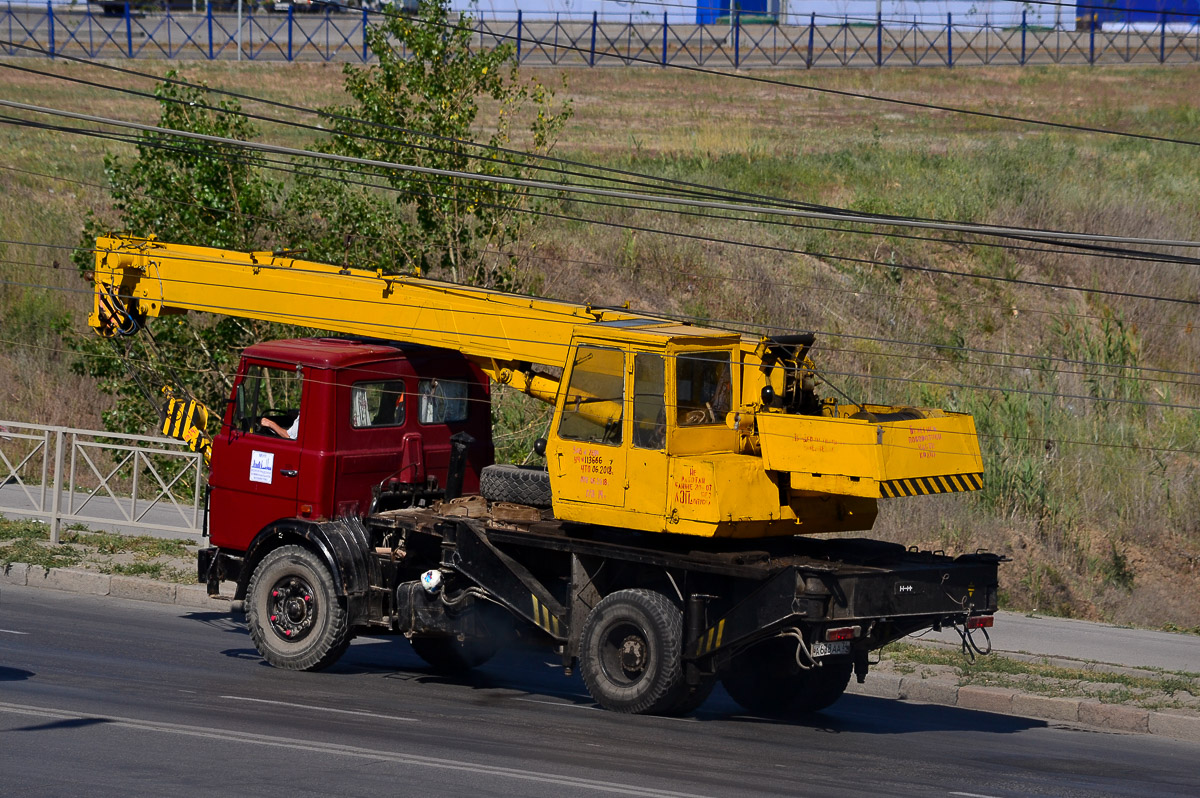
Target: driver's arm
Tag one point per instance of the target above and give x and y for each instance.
(278, 430)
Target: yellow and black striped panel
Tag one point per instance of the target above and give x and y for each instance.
(922, 486)
(711, 640)
(544, 618)
(181, 415)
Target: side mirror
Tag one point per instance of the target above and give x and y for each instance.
(239, 411)
(539, 447)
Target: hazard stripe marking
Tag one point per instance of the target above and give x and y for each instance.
(924, 486)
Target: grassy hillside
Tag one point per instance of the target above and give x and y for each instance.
(1092, 455)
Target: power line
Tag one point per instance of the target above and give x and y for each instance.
(850, 94)
(1005, 308)
(561, 187)
(385, 330)
(783, 206)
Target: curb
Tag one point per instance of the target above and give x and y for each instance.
(1058, 662)
(74, 580)
(1117, 717)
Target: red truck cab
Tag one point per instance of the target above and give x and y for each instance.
(351, 421)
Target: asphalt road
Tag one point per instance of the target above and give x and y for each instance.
(110, 697)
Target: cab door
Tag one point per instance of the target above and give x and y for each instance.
(646, 470)
(586, 450)
(256, 471)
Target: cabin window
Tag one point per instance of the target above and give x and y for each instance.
(270, 394)
(649, 401)
(377, 404)
(703, 387)
(441, 401)
(594, 406)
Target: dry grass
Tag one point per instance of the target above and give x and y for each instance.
(1100, 520)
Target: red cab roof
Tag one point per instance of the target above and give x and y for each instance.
(327, 352)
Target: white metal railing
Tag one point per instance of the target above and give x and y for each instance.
(65, 475)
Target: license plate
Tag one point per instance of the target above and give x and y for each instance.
(820, 649)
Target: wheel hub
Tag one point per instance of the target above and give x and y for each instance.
(292, 609)
(633, 655)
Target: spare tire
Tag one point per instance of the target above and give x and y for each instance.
(515, 483)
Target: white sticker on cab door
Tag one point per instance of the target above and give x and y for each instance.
(261, 466)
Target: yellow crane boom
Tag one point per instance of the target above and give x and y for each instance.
(659, 426)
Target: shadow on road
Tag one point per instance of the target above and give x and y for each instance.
(70, 723)
(538, 674)
(14, 674)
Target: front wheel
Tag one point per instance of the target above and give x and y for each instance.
(767, 680)
(295, 617)
(630, 653)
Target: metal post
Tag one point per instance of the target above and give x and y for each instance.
(1092, 41)
(878, 37)
(364, 33)
(239, 35)
(133, 494)
(291, 19)
(1162, 40)
(128, 30)
(519, 24)
(56, 500)
(737, 38)
(208, 13)
(1023, 13)
(50, 25)
(664, 52)
(812, 29)
(949, 40)
(45, 469)
(592, 53)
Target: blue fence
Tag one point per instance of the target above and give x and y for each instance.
(593, 41)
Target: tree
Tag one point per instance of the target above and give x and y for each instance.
(419, 105)
(190, 192)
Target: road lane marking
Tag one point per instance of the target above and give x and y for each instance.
(12, 632)
(319, 709)
(353, 752)
(973, 795)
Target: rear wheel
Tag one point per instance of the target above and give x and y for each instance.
(453, 656)
(630, 653)
(767, 680)
(295, 617)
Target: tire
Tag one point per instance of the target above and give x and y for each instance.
(452, 656)
(296, 619)
(630, 653)
(529, 485)
(767, 681)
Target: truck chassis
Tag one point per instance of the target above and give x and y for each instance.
(651, 626)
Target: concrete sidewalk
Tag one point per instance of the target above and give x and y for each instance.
(1073, 642)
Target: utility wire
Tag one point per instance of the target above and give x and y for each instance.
(698, 188)
(1006, 308)
(556, 187)
(386, 330)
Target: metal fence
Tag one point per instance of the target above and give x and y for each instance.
(129, 482)
(595, 41)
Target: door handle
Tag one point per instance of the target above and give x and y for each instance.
(288, 472)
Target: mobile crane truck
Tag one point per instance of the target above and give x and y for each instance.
(675, 536)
